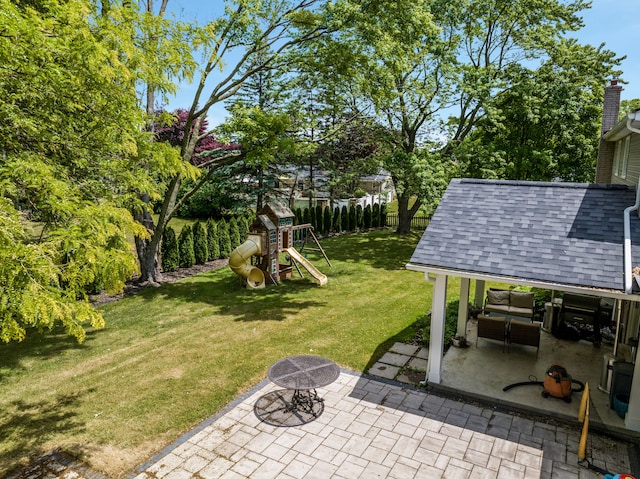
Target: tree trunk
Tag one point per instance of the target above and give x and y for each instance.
(406, 214)
(147, 249)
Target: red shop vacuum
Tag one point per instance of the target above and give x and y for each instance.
(557, 383)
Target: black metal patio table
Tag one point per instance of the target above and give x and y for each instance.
(303, 374)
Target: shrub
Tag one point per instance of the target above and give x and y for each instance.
(185, 245)
(223, 239)
(359, 217)
(337, 220)
(375, 217)
(200, 246)
(169, 250)
(328, 220)
(306, 216)
(344, 213)
(352, 218)
(367, 217)
(213, 247)
(299, 220)
(383, 215)
(234, 233)
(319, 219)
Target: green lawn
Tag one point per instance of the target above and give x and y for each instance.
(173, 356)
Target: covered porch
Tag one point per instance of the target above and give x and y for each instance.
(483, 371)
(561, 237)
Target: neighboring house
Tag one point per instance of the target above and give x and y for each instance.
(296, 183)
(569, 237)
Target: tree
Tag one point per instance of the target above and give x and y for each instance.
(251, 38)
(367, 217)
(352, 218)
(234, 233)
(224, 239)
(546, 126)
(200, 244)
(170, 250)
(344, 215)
(337, 220)
(74, 148)
(417, 58)
(328, 220)
(213, 245)
(185, 246)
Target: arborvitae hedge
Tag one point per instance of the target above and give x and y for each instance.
(344, 213)
(359, 217)
(213, 247)
(375, 215)
(298, 213)
(383, 215)
(200, 246)
(367, 217)
(337, 220)
(306, 216)
(223, 239)
(169, 250)
(319, 219)
(328, 220)
(352, 218)
(234, 233)
(185, 245)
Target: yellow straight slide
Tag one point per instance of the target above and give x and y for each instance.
(322, 279)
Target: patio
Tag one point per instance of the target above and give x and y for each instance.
(375, 428)
(484, 371)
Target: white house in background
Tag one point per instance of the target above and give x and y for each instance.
(295, 183)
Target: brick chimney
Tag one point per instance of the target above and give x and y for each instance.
(610, 111)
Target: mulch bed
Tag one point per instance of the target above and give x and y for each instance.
(135, 286)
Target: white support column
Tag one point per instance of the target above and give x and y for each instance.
(463, 307)
(436, 340)
(632, 418)
(478, 300)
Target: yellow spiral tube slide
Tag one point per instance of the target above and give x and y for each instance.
(238, 262)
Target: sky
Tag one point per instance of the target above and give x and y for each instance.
(616, 23)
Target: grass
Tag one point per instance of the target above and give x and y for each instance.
(173, 356)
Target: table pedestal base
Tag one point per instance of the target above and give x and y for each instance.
(288, 407)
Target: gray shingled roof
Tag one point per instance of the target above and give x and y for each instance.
(564, 233)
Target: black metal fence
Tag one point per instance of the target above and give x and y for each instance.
(416, 221)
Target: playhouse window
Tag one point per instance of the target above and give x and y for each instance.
(273, 237)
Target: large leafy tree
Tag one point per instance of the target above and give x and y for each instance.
(546, 125)
(419, 58)
(74, 152)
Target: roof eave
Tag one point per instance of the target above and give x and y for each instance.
(605, 293)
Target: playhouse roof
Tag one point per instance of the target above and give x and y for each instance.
(279, 210)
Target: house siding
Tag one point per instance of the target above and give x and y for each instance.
(633, 163)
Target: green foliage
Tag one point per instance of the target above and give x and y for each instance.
(352, 218)
(200, 244)
(299, 217)
(319, 219)
(328, 220)
(450, 326)
(359, 217)
(213, 245)
(225, 239)
(344, 218)
(185, 245)
(306, 216)
(367, 217)
(628, 106)
(234, 233)
(337, 220)
(383, 215)
(375, 215)
(170, 251)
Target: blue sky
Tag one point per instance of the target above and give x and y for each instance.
(615, 23)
